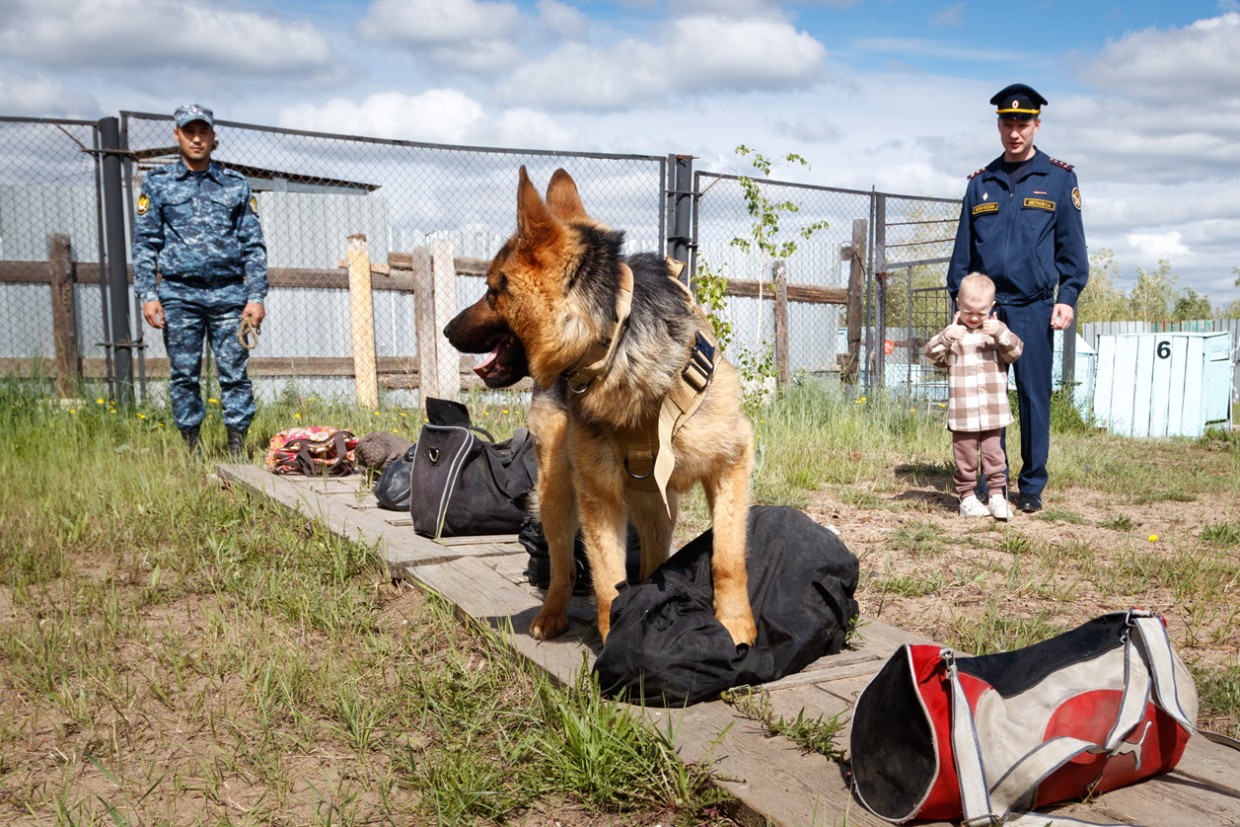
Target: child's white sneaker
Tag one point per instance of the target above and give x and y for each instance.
(999, 508)
(971, 506)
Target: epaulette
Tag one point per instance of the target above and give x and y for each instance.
(1063, 164)
(979, 172)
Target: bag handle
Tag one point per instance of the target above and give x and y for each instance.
(1147, 636)
(499, 471)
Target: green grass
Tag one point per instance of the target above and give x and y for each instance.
(199, 655)
(196, 654)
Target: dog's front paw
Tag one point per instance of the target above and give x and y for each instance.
(548, 625)
(741, 628)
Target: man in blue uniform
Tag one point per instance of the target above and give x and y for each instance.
(197, 224)
(1021, 225)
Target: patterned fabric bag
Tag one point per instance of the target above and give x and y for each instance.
(314, 450)
(987, 739)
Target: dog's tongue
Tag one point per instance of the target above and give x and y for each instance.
(487, 365)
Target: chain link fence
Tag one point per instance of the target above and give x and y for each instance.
(410, 201)
(52, 290)
(914, 241)
(817, 321)
(427, 211)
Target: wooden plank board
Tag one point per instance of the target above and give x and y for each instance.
(774, 781)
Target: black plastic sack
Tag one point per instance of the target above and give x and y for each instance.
(463, 482)
(538, 567)
(666, 648)
(396, 482)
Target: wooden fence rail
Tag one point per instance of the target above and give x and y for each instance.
(429, 274)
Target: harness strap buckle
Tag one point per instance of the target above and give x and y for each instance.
(701, 365)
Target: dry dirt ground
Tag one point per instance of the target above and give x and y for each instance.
(928, 570)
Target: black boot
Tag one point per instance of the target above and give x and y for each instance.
(190, 435)
(236, 443)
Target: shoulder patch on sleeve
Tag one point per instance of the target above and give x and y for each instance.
(253, 205)
(1076, 197)
(975, 174)
(144, 203)
(1062, 164)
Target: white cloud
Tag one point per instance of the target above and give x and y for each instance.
(481, 58)
(39, 95)
(562, 19)
(741, 54)
(116, 34)
(528, 128)
(1198, 63)
(438, 22)
(951, 16)
(436, 116)
(1168, 245)
(698, 55)
(443, 116)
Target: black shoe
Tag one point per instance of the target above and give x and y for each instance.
(236, 443)
(190, 435)
(1029, 503)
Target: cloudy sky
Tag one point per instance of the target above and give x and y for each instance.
(1144, 96)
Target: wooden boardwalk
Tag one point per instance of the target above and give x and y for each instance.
(774, 781)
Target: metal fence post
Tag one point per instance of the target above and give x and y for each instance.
(680, 241)
(876, 297)
(1068, 370)
(118, 333)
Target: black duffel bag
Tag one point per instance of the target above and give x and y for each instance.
(464, 483)
(666, 648)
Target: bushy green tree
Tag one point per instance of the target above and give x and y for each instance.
(1154, 294)
(1103, 300)
(1192, 305)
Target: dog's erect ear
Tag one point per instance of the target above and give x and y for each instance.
(563, 199)
(534, 220)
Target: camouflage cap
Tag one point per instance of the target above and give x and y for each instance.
(194, 112)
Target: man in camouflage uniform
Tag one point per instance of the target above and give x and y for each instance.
(198, 224)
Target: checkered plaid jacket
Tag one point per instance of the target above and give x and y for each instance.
(976, 363)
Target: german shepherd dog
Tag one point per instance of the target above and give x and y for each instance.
(553, 295)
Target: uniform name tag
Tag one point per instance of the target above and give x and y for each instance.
(991, 206)
(1040, 204)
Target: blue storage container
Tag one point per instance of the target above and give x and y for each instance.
(1163, 384)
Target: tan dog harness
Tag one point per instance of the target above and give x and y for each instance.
(645, 451)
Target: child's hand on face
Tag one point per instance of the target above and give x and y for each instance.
(954, 331)
(992, 326)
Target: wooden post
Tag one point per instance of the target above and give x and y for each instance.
(64, 320)
(779, 271)
(362, 324)
(443, 285)
(424, 325)
(855, 255)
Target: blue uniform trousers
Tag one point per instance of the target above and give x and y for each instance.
(1032, 323)
(192, 314)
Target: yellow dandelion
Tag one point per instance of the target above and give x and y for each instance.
(376, 413)
(141, 415)
(1153, 538)
(73, 411)
(505, 410)
(99, 401)
(404, 414)
(213, 400)
(942, 404)
(161, 424)
(296, 416)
